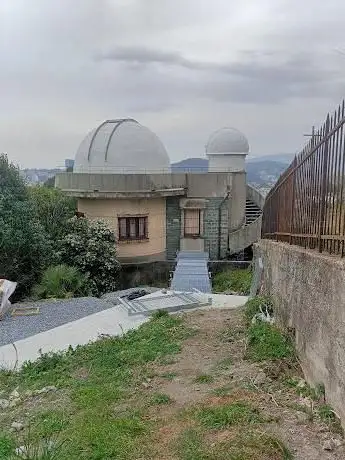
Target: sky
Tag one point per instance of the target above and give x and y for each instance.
(183, 68)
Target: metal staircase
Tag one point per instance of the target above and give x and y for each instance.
(252, 212)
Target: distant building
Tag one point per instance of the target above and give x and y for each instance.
(122, 175)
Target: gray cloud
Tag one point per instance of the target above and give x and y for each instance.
(253, 79)
(183, 68)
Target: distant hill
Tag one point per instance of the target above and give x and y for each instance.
(190, 165)
(260, 171)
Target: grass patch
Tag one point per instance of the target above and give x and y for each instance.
(236, 280)
(204, 378)
(94, 429)
(190, 446)
(161, 398)
(266, 342)
(238, 413)
(242, 446)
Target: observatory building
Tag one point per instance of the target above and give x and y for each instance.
(122, 175)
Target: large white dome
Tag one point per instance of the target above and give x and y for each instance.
(227, 141)
(121, 146)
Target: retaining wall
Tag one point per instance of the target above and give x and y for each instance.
(308, 290)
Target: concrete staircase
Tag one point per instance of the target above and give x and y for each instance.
(252, 212)
(250, 232)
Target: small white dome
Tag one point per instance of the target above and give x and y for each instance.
(227, 141)
(121, 146)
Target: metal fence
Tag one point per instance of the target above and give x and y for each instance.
(306, 207)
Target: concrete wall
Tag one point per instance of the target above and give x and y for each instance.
(226, 162)
(308, 289)
(110, 210)
(245, 236)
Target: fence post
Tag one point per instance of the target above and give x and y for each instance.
(323, 186)
(292, 211)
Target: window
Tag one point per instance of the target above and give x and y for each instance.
(192, 222)
(133, 228)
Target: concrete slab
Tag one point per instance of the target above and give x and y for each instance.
(113, 321)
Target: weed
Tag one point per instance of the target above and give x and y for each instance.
(237, 280)
(326, 413)
(161, 398)
(204, 378)
(169, 376)
(316, 393)
(225, 390)
(166, 360)
(160, 314)
(238, 413)
(243, 446)
(255, 305)
(328, 416)
(6, 447)
(225, 364)
(266, 342)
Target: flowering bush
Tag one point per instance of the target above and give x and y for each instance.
(90, 247)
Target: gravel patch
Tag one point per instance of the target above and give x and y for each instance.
(53, 313)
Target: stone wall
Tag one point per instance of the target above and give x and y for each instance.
(173, 227)
(308, 290)
(146, 274)
(211, 228)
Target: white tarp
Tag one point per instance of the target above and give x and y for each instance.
(7, 288)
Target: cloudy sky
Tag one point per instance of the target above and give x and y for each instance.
(271, 68)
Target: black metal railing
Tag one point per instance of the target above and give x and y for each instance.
(306, 206)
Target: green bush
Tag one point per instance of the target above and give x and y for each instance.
(237, 280)
(61, 282)
(90, 247)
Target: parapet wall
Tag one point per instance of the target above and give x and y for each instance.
(308, 289)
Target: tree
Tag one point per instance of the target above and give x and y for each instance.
(90, 247)
(53, 209)
(25, 249)
(11, 183)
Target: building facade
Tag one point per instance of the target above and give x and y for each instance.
(122, 176)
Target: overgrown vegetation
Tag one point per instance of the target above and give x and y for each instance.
(265, 340)
(116, 367)
(248, 444)
(258, 304)
(203, 378)
(236, 280)
(237, 413)
(38, 232)
(25, 247)
(53, 209)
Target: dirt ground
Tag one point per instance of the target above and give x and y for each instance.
(211, 370)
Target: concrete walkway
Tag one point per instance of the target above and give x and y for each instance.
(113, 321)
